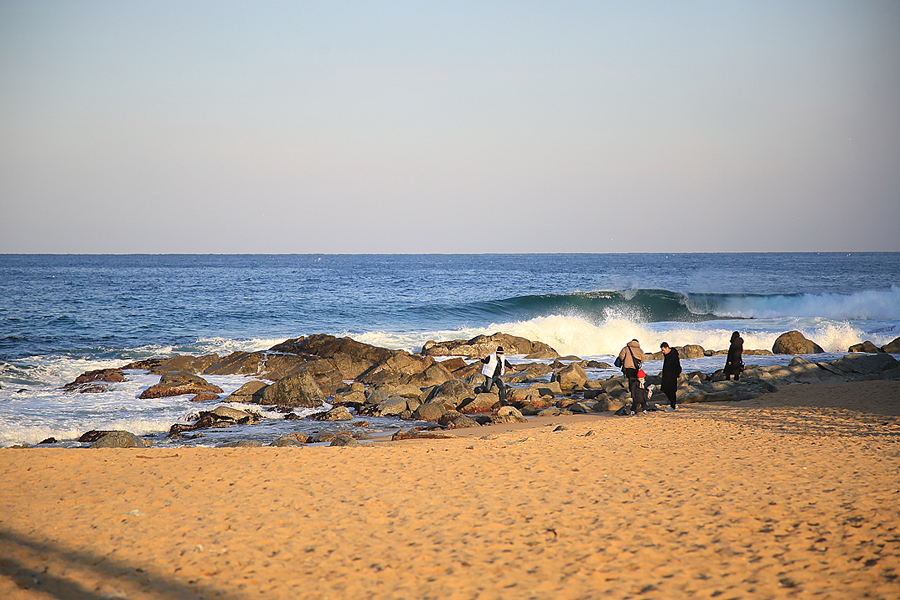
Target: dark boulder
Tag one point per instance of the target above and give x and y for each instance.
(236, 363)
(250, 392)
(121, 439)
(299, 389)
(892, 347)
(866, 347)
(482, 345)
(176, 383)
(793, 342)
(83, 381)
(343, 439)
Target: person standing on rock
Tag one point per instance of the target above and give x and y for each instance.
(630, 359)
(670, 371)
(734, 363)
(494, 368)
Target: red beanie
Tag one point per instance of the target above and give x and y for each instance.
(641, 374)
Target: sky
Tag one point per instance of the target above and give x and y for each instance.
(451, 127)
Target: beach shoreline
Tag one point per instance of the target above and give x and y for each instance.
(792, 494)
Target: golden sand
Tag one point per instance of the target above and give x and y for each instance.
(792, 495)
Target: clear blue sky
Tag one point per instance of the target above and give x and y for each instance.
(449, 127)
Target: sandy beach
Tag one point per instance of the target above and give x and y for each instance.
(790, 495)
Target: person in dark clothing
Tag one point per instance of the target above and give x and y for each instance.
(495, 367)
(640, 394)
(670, 371)
(734, 363)
(630, 358)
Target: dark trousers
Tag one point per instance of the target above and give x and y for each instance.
(489, 383)
(669, 388)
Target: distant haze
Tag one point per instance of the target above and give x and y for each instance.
(407, 127)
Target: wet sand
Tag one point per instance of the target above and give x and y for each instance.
(791, 495)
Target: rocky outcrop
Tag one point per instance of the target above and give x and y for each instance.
(250, 392)
(221, 416)
(299, 389)
(431, 411)
(481, 403)
(571, 377)
(344, 439)
(338, 413)
(482, 345)
(93, 381)
(508, 414)
(793, 342)
(120, 439)
(188, 364)
(892, 347)
(176, 383)
(867, 347)
(451, 394)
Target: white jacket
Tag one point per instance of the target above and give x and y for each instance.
(488, 369)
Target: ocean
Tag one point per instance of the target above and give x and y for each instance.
(61, 315)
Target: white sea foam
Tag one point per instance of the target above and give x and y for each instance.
(578, 336)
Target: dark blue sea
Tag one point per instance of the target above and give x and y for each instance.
(61, 315)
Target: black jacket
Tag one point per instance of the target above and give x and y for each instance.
(671, 366)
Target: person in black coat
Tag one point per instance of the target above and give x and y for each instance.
(670, 371)
(734, 363)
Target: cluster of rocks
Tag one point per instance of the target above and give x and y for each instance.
(360, 380)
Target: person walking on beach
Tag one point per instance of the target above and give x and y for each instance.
(494, 368)
(734, 363)
(670, 371)
(630, 359)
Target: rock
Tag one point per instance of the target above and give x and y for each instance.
(482, 345)
(892, 347)
(350, 397)
(549, 412)
(205, 397)
(121, 439)
(481, 403)
(793, 342)
(299, 389)
(414, 434)
(250, 392)
(232, 414)
(236, 363)
(435, 374)
(92, 436)
(451, 394)
(865, 364)
(100, 375)
(508, 414)
(242, 444)
(866, 346)
(571, 377)
(690, 351)
(431, 411)
(49, 440)
(286, 442)
(547, 389)
(454, 364)
(343, 439)
(463, 422)
(608, 403)
(321, 437)
(338, 413)
(403, 390)
(391, 407)
(176, 383)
